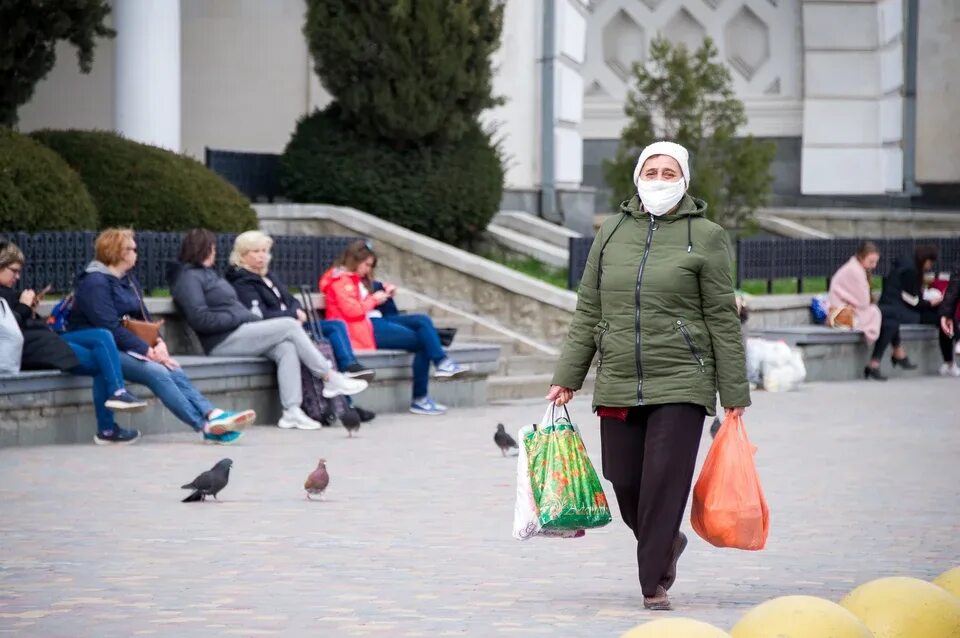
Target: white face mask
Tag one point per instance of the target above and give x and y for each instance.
(659, 196)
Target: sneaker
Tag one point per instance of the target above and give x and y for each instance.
(227, 438)
(949, 370)
(357, 371)
(448, 368)
(230, 421)
(117, 436)
(124, 402)
(365, 415)
(297, 418)
(338, 384)
(427, 406)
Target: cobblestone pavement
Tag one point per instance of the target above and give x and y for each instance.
(863, 481)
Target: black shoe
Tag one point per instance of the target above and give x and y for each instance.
(117, 436)
(365, 415)
(873, 373)
(714, 428)
(904, 363)
(357, 371)
(124, 402)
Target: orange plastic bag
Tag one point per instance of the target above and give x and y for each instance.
(729, 509)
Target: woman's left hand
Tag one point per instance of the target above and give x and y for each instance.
(301, 315)
(737, 412)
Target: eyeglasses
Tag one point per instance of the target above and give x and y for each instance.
(368, 245)
(15, 271)
(130, 249)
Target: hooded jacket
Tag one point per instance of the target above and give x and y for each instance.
(102, 300)
(659, 307)
(251, 287)
(208, 302)
(341, 289)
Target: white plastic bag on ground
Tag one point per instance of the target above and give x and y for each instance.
(774, 366)
(526, 518)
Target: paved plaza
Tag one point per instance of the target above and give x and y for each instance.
(863, 481)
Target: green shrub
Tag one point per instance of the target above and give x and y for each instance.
(449, 192)
(149, 188)
(38, 190)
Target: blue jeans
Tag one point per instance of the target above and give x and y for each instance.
(99, 358)
(413, 333)
(172, 387)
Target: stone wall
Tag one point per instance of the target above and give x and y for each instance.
(533, 308)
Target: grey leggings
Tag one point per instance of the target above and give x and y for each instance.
(284, 341)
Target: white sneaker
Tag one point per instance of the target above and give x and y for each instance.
(297, 418)
(949, 370)
(338, 384)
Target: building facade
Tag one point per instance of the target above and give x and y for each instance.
(859, 95)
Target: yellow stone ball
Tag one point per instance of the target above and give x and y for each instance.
(949, 580)
(903, 607)
(675, 628)
(799, 617)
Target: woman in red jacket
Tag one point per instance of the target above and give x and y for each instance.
(347, 289)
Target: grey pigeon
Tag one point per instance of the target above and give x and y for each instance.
(318, 480)
(351, 421)
(503, 440)
(210, 482)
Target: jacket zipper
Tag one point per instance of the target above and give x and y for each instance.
(600, 350)
(690, 344)
(643, 262)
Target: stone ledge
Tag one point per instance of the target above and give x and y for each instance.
(811, 335)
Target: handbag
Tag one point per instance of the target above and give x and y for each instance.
(146, 331)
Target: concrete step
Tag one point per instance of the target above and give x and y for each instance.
(527, 386)
(526, 364)
(534, 227)
(518, 242)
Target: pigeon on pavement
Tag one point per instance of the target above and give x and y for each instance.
(209, 483)
(503, 440)
(351, 421)
(318, 480)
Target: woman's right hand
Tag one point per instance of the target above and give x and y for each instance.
(559, 395)
(27, 297)
(946, 324)
(380, 297)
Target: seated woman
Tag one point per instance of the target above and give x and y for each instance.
(91, 353)
(902, 302)
(250, 276)
(228, 328)
(850, 288)
(949, 310)
(106, 293)
(347, 287)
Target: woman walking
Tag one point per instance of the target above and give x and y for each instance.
(657, 303)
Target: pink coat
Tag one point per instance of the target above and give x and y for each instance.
(850, 286)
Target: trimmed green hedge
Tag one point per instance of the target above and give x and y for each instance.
(149, 188)
(448, 192)
(38, 190)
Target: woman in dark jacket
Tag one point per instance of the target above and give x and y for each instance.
(89, 353)
(228, 328)
(950, 319)
(106, 293)
(902, 302)
(657, 302)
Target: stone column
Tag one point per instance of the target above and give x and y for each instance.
(852, 106)
(146, 88)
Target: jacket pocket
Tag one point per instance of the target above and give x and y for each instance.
(599, 332)
(694, 350)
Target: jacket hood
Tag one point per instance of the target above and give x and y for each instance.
(98, 266)
(334, 274)
(236, 273)
(689, 207)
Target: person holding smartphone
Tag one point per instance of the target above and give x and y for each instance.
(350, 297)
(90, 352)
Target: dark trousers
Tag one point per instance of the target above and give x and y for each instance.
(650, 459)
(413, 333)
(890, 334)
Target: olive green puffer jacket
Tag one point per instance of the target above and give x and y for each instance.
(660, 310)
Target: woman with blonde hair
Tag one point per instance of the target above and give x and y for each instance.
(107, 294)
(228, 328)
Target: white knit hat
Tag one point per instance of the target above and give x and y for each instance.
(670, 149)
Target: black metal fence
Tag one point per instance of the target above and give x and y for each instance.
(256, 175)
(770, 259)
(55, 258)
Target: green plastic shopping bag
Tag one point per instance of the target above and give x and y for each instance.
(566, 488)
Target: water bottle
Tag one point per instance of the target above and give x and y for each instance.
(255, 309)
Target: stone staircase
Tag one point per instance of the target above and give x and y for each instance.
(525, 366)
(523, 234)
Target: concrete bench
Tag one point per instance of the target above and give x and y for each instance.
(43, 407)
(831, 354)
